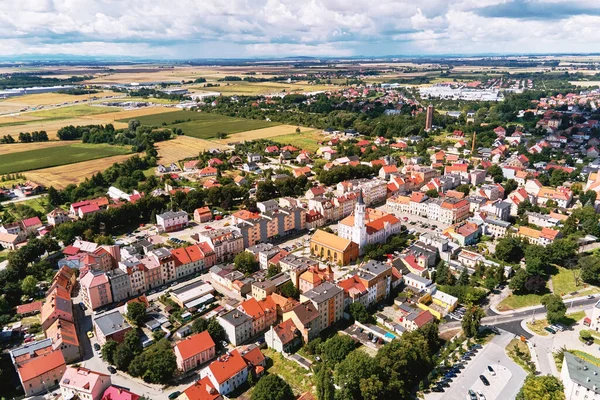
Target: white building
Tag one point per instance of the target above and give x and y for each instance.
(227, 372)
(580, 378)
(172, 221)
(237, 325)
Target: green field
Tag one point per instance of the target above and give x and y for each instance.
(306, 140)
(203, 125)
(54, 156)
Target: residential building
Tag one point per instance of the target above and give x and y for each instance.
(111, 325)
(332, 248)
(57, 217)
(9, 241)
(328, 299)
(580, 378)
(194, 351)
(306, 319)
(496, 227)
(202, 389)
(374, 191)
(118, 393)
(172, 221)
(82, 383)
(64, 338)
(543, 238)
(95, 289)
(202, 215)
(227, 372)
(263, 313)
(120, 285)
(313, 277)
(226, 243)
(370, 284)
(285, 337)
(39, 370)
(237, 325)
(57, 306)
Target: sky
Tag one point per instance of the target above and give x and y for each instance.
(195, 29)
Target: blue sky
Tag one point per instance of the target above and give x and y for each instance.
(189, 29)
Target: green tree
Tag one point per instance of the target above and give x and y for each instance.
(216, 331)
(517, 282)
(136, 313)
(273, 270)
(463, 279)
(371, 388)
(132, 342)
(348, 373)
(289, 290)
(509, 249)
(272, 387)
(336, 348)
(432, 193)
(199, 325)
(123, 357)
(324, 383)
(108, 351)
(496, 173)
(590, 269)
(359, 312)
(54, 197)
(245, 262)
(510, 186)
(544, 387)
(472, 321)
(555, 308)
(29, 285)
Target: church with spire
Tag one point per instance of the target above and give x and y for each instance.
(367, 225)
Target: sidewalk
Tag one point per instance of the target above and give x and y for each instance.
(530, 308)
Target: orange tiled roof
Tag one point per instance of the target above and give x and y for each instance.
(195, 344)
(40, 365)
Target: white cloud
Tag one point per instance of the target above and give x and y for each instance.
(239, 28)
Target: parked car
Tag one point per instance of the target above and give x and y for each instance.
(590, 296)
(589, 342)
(174, 395)
(97, 347)
(472, 395)
(481, 395)
(90, 334)
(492, 372)
(484, 380)
(548, 329)
(112, 370)
(437, 389)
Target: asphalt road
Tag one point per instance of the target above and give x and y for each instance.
(503, 386)
(512, 322)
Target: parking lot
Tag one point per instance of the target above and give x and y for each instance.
(505, 384)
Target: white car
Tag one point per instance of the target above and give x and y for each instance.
(480, 395)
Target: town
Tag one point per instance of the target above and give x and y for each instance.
(218, 217)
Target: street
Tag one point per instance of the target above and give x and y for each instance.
(505, 385)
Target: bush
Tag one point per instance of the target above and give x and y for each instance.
(585, 334)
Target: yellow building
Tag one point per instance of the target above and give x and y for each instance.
(330, 247)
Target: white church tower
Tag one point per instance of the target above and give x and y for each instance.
(359, 231)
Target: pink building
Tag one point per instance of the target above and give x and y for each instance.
(195, 350)
(117, 393)
(83, 383)
(95, 289)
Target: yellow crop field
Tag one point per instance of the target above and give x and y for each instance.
(182, 147)
(255, 88)
(263, 133)
(19, 147)
(14, 104)
(61, 176)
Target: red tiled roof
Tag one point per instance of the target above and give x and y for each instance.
(40, 365)
(254, 357)
(227, 366)
(195, 344)
(29, 308)
(31, 222)
(202, 390)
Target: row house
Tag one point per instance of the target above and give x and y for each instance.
(225, 243)
(263, 313)
(194, 351)
(543, 238)
(562, 196)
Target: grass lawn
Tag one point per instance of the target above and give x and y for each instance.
(203, 125)
(564, 282)
(291, 372)
(519, 353)
(305, 141)
(514, 301)
(50, 157)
